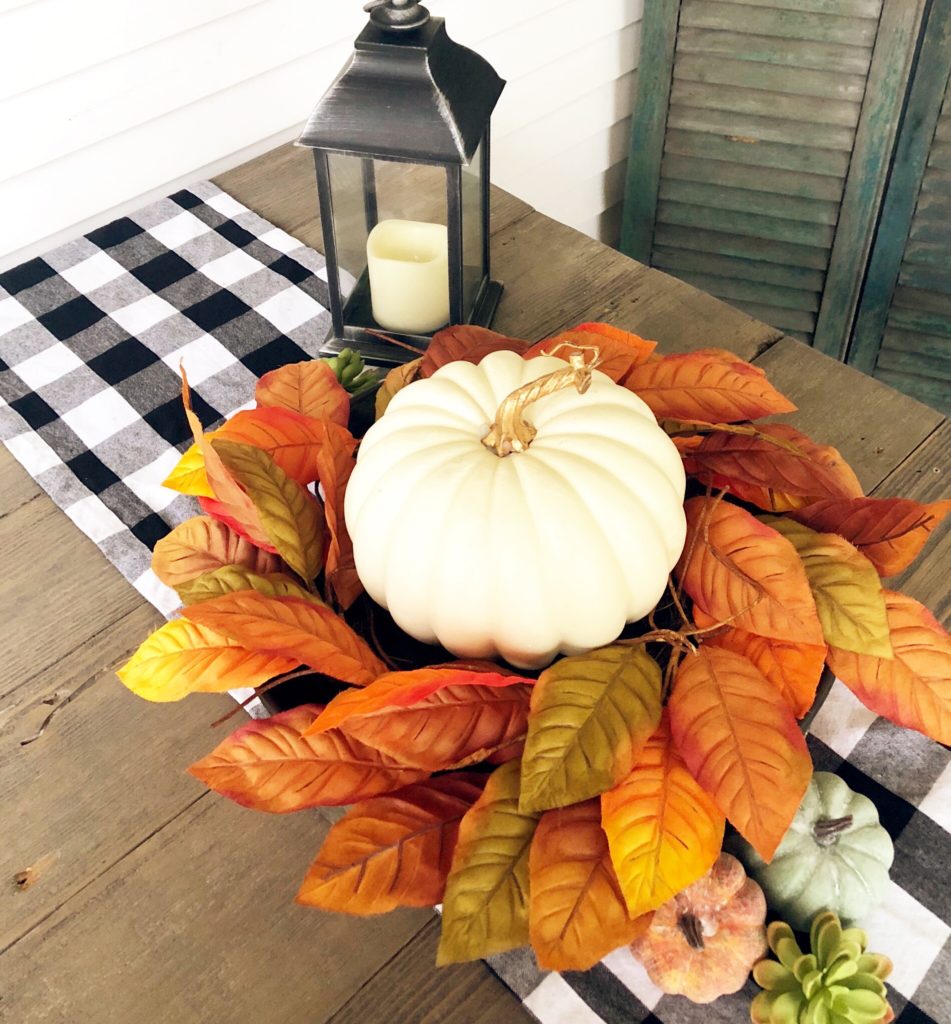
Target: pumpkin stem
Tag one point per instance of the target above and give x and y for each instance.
(692, 930)
(511, 432)
(827, 829)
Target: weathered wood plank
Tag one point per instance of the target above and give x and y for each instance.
(756, 99)
(38, 540)
(924, 476)
(920, 321)
(659, 33)
(17, 487)
(915, 341)
(873, 426)
(767, 204)
(916, 362)
(734, 222)
(752, 179)
(754, 153)
(675, 261)
(783, 24)
(865, 187)
(776, 78)
(928, 278)
(744, 247)
(761, 129)
(461, 994)
(579, 279)
(922, 301)
(800, 53)
(780, 317)
(198, 924)
(107, 771)
(936, 182)
(931, 254)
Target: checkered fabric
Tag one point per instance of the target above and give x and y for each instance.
(91, 337)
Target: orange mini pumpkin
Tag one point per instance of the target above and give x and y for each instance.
(703, 943)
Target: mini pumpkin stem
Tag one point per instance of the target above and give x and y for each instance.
(692, 930)
(511, 432)
(827, 829)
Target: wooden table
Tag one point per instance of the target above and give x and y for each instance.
(154, 900)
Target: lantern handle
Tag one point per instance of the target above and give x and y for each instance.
(397, 15)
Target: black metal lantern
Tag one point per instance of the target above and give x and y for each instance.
(401, 147)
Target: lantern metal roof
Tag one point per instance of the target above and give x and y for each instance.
(410, 93)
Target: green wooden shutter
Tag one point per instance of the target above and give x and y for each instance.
(903, 330)
(762, 135)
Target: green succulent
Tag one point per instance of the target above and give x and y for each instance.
(352, 372)
(836, 983)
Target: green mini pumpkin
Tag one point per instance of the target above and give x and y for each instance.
(835, 856)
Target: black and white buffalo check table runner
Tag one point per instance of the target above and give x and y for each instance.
(91, 338)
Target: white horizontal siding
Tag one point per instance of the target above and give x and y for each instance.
(122, 103)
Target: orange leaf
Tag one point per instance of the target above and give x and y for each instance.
(737, 569)
(310, 388)
(230, 504)
(392, 851)
(620, 351)
(201, 545)
(741, 742)
(793, 668)
(769, 475)
(335, 463)
(890, 532)
(291, 627)
(914, 687)
(181, 658)
(663, 830)
(576, 912)
(293, 441)
(433, 718)
(466, 342)
(270, 765)
(709, 385)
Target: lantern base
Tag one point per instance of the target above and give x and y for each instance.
(377, 352)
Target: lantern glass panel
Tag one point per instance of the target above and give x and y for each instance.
(474, 270)
(367, 193)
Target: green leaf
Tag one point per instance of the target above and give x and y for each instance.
(590, 717)
(291, 517)
(485, 909)
(231, 578)
(846, 587)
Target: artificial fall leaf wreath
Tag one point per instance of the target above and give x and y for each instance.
(564, 802)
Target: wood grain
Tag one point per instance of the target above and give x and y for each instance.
(872, 425)
(420, 993)
(17, 487)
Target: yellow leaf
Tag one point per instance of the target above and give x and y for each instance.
(846, 587)
(663, 830)
(590, 715)
(230, 578)
(181, 658)
(576, 911)
(291, 517)
(485, 909)
(189, 476)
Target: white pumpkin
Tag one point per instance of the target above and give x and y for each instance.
(552, 548)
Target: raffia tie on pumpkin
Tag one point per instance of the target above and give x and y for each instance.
(511, 432)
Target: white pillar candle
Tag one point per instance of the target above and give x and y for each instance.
(408, 261)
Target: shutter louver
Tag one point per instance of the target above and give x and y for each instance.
(764, 103)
